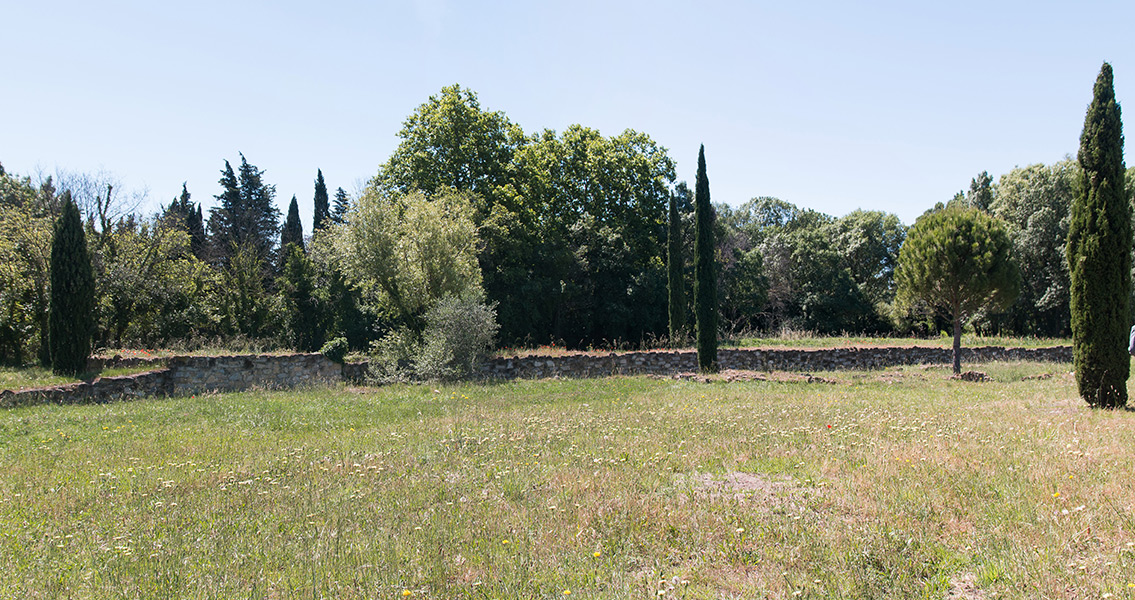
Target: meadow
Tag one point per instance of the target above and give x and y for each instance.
(900, 483)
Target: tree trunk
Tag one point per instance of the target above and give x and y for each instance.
(957, 345)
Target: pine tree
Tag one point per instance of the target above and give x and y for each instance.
(293, 228)
(705, 272)
(675, 264)
(322, 206)
(1099, 254)
(246, 216)
(71, 317)
(342, 205)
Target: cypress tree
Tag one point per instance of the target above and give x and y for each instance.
(187, 215)
(71, 313)
(322, 204)
(675, 282)
(1099, 255)
(705, 272)
(293, 228)
(196, 226)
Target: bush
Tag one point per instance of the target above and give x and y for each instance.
(459, 332)
(335, 350)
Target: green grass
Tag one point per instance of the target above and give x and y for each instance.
(889, 484)
(806, 340)
(20, 378)
(969, 340)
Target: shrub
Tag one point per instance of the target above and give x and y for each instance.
(335, 349)
(459, 332)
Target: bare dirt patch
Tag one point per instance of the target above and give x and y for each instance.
(770, 492)
(964, 587)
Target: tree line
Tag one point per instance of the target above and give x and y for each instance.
(564, 237)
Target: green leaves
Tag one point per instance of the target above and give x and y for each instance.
(411, 250)
(957, 261)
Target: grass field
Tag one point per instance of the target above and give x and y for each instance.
(890, 484)
(19, 378)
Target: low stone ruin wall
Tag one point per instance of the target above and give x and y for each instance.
(195, 374)
(184, 375)
(828, 359)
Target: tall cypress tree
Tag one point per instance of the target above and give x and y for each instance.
(322, 204)
(705, 272)
(293, 228)
(1099, 255)
(188, 215)
(675, 282)
(72, 310)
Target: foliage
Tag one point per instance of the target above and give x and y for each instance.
(150, 288)
(408, 251)
(71, 315)
(1099, 254)
(341, 208)
(292, 233)
(705, 272)
(304, 304)
(25, 253)
(958, 261)
(186, 215)
(246, 216)
(335, 350)
(868, 242)
(459, 332)
(1034, 202)
(450, 143)
(321, 216)
(242, 301)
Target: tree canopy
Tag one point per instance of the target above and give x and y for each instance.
(957, 261)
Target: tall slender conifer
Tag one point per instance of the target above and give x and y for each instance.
(72, 310)
(705, 272)
(1099, 255)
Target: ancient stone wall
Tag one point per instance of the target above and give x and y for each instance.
(184, 375)
(829, 359)
(195, 374)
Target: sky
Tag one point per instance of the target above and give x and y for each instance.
(832, 106)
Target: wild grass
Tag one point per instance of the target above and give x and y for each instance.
(890, 484)
(790, 338)
(19, 378)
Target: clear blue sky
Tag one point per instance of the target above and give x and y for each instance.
(830, 105)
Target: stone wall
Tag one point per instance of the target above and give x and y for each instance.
(828, 359)
(195, 374)
(184, 375)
